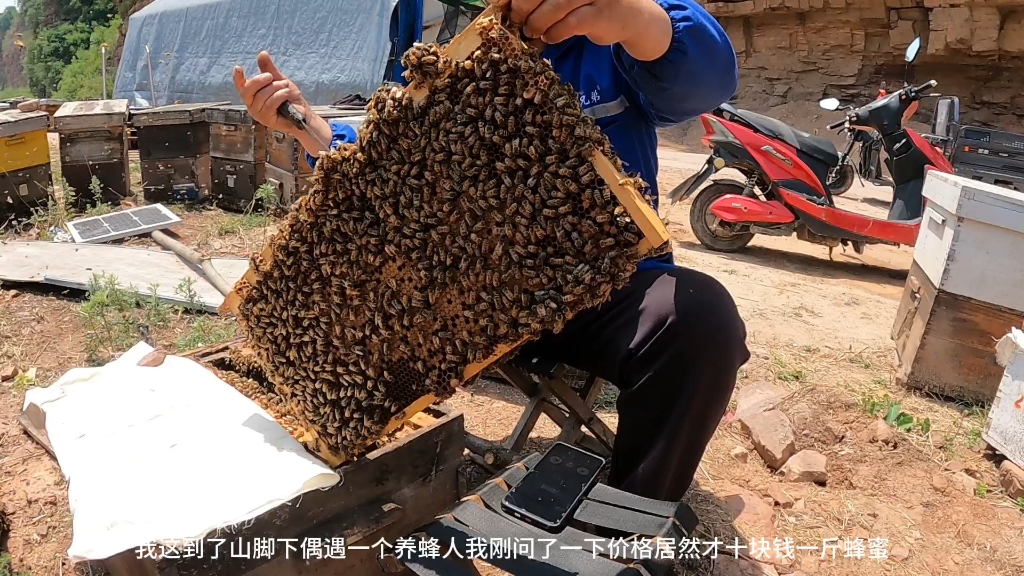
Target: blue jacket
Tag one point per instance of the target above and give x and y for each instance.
(629, 98)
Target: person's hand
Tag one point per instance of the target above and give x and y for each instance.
(264, 93)
(553, 21)
(604, 22)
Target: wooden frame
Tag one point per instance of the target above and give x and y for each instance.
(385, 494)
(654, 235)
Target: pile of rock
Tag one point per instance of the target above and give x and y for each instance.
(771, 434)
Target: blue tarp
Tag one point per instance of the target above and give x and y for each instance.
(330, 48)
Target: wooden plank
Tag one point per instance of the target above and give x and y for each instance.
(173, 114)
(173, 141)
(243, 142)
(420, 502)
(986, 264)
(24, 190)
(73, 265)
(14, 122)
(427, 455)
(92, 150)
(283, 182)
(571, 430)
(956, 355)
(91, 114)
(25, 150)
(592, 421)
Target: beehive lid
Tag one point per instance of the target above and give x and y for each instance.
(173, 114)
(228, 114)
(91, 114)
(14, 122)
(974, 200)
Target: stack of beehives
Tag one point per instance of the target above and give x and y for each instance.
(478, 209)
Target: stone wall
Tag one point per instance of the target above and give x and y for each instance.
(802, 50)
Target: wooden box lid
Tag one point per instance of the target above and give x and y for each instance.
(974, 200)
(91, 114)
(13, 122)
(173, 114)
(228, 114)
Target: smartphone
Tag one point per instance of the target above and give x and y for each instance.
(550, 493)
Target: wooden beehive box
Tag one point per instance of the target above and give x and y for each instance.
(654, 235)
(386, 494)
(94, 143)
(24, 162)
(287, 168)
(238, 149)
(963, 291)
(174, 149)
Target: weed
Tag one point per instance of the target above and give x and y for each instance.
(22, 382)
(892, 412)
(115, 318)
(156, 312)
(238, 224)
(981, 490)
(860, 361)
(266, 195)
(186, 289)
(729, 271)
(607, 398)
(1020, 504)
(786, 374)
(205, 331)
(973, 436)
(7, 566)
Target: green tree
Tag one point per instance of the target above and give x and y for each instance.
(51, 51)
(7, 19)
(82, 79)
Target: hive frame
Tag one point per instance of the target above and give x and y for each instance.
(654, 236)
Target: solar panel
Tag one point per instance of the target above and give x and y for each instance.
(133, 222)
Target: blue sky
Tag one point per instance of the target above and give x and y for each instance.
(6, 3)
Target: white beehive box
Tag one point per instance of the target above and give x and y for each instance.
(972, 239)
(1004, 430)
(963, 292)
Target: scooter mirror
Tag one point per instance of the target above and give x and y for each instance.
(913, 49)
(829, 103)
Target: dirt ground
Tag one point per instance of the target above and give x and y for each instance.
(817, 327)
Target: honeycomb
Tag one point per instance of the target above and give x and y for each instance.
(467, 219)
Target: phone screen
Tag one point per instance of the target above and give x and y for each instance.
(555, 485)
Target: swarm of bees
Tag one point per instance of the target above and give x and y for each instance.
(467, 219)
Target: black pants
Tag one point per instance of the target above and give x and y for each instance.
(672, 341)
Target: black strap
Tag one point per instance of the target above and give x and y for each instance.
(629, 521)
(615, 497)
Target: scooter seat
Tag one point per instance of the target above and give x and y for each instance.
(813, 146)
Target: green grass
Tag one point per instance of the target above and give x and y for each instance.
(9, 94)
(23, 382)
(786, 374)
(7, 566)
(981, 490)
(205, 331)
(242, 223)
(1020, 504)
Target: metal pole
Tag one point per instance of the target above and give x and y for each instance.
(152, 87)
(103, 52)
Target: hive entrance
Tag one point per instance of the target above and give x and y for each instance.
(472, 214)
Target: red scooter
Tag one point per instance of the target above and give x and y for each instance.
(787, 170)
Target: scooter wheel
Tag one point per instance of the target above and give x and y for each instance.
(704, 223)
(840, 179)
